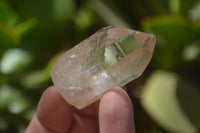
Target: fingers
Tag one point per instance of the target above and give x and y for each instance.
(53, 114)
(116, 112)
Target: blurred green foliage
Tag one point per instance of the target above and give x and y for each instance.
(34, 32)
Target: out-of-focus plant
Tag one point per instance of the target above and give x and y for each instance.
(34, 32)
(173, 101)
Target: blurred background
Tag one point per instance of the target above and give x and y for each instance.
(33, 33)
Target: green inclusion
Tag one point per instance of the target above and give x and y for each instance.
(116, 51)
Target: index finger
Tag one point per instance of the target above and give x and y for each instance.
(53, 114)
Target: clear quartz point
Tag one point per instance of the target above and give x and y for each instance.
(111, 57)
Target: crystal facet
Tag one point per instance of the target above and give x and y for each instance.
(111, 57)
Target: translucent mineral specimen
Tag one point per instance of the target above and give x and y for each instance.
(111, 57)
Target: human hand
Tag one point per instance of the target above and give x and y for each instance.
(112, 114)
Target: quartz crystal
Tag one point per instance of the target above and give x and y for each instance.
(111, 57)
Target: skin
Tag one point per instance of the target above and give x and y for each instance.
(112, 114)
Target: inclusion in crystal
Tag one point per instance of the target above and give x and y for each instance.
(111, 57)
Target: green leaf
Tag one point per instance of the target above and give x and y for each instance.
(18, 105)
(181, 6)
(23, 28)
(12, 99)
(63, 9)
(107, 15)
(4, 12)
(85, 18)
(197, 27)
(157, 6)
(15, 60)
(7, 94)
(191, 52)
(175, 30)
(194, 13)
(159, 99)
(35, 79)
(8, 36)
(188, 95)
(3, 124)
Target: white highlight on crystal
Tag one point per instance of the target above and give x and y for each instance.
(137, 32)
(75, 88)
(104, 75)
(72, 56)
